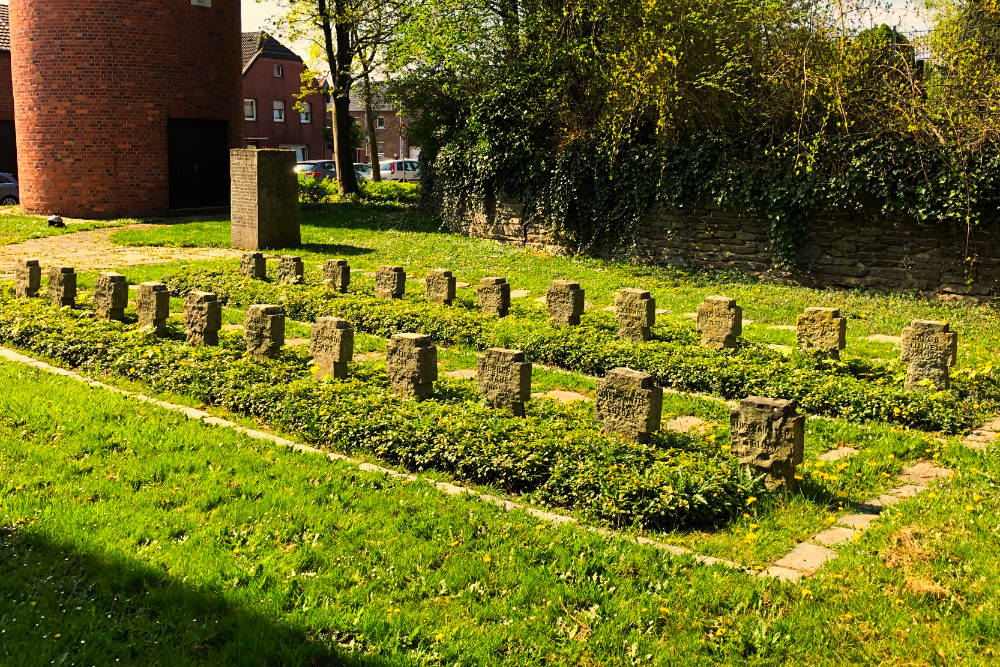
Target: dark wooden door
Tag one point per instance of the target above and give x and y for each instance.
(198, 159)
(8, 148)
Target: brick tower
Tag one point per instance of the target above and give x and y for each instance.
(125, 107)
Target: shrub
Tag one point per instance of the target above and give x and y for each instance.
(555, 455)
(390, 192)
(313, 191)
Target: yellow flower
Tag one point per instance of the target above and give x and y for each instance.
(896, 411)
(57, 635)
(487, 559)
(439, 637)
(539, 527)
(798, 475)
(751, 500)
(970, 508)
(663, 610)
(806, 593)
(746, 515)
(751, 537)
(455, 543)
(977, 497)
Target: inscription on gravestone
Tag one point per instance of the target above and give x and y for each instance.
(635, 310)
(111, 296)
(332, 346)
(564, 301)
(629, 403)
(264, 330)
(720, 322)
(152, 304)
(290, 270)
(390, 282)
(253, 265)
(337, 275)
(62, 286)
(928, 349)
(493, 296)
(769, 435)
(411, 365)
(504, 379)
(440, 284)
(821, 331)
(28, 278)
(202, 318)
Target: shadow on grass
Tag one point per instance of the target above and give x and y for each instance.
(61, 605)
(353, 216)
(334, 249)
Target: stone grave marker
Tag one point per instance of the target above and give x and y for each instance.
(290, 270)
(635, 310)
(62, 286)
(253, 265)
(202, 318)
(769, 435)
(111, 296)
(929, 349)
(264, 199)
(564, 302)
(440, 285)
(337, 275)
(332, 346)
(493, 296)
(821, 331)
(152, 303)
(629, 403)
(720, 322)
(503, 377)
(390, 282)
(411, 365)
(28, 278)
(264, 330)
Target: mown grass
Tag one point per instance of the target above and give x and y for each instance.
(131, 534)
(15, 228)
(370, 238)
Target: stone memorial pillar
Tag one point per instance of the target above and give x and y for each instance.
(152, 303)
(264, 330)
(111, 296)
(564, 301)
(62, 286)
(720, 322)
(202, 318)
(337, 275)
(253, 265)
(821, 331)
(291, 270)
(332, 346)
(264, 199)
(635, 310)
(769, 435)
(493, 296)
(411, 365)
(440, 284)
(504, 379)
(28, 278)
(929, 349)
(390, 282)
(629, 403)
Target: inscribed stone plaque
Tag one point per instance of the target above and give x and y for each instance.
(821, 331)
(635, 310)
(202, 318)
(493, 296)
(28, 278)
(332, 346)
(264, 199)
(564, 301)
(337, 275)
(411, 365)
(504, 379)
(440, 284)
(390, 282)
(629, 403)
(769, 435)
(111, 296)
(264, 330)
(62, 286)
(720, 322)
(928, 349)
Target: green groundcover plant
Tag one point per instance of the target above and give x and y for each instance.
(556, 455)
(856, 390)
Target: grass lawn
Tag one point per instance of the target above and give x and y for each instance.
(15, 228)
(369, 238)
(128, 533)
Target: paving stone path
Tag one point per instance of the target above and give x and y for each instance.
(93, 250)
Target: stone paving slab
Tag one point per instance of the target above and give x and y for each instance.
(462, 374)
(782, 327)
(922, 472)
(881, 338)
(860, 521)
(562, 396)
(782, 573)
(806, 558)
(519, 293)
(834, 536)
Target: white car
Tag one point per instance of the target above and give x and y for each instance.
(407, 171)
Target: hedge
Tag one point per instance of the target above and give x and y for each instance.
(555, 455)
(857, 391)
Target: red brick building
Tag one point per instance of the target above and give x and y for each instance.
(8, 147)
(390, 130)
(125, 107)
(272, 79)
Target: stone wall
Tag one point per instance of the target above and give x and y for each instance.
(838, 251)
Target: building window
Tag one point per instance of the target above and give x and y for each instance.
(249, 109)
(307, 112)
(279, 71)
(381, 149)
(279, 111)
(380, 123)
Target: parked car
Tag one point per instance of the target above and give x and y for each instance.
(407, 171)
(9, 194)
(364, 171)
(318, 169)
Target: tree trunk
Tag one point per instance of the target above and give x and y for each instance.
(340, 61)
(370, 117)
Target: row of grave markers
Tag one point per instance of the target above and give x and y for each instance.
(928, 347)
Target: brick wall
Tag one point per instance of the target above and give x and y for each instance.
(260, 84)
(391, 136)
(838, 251)
(95, 82)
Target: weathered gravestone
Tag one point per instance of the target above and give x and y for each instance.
(769, 435)
(290, 270)
(504, 379)
(264, 330)
(411, 365)
(253, 265)
(635, 310)
(390, 282)
(337, 275)
(203, 318)
(332, 346)
(629, 403)
(929, 349)
(821, 331)
(493, 296)
(28, 278)
(152, 303)
(111, 296)
(440, 284)
(264, 199)
(564, 301)
(62, 286)
(720, 322)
